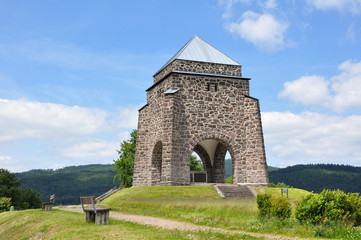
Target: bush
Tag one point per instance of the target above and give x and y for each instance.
(5, 204)
(229, 180)
(328, 207)
(273, 206)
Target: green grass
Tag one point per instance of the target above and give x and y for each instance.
(293, 193)
(200, 205)
(165, 192)
(195, 204)
(37, 224)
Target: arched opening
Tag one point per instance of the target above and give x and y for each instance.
(157, 163)
(195, 162)
(212, 153)
(228, 168)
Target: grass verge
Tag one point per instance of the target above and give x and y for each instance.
(37, 224)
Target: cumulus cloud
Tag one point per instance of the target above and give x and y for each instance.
(339, 93)
(93, 149)
(27, 119)
(311, 138)
(263, 30)
(11, 163)
(23, 119)
(66, 135)
(353, 6)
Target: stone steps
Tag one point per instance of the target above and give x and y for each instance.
(234, 191)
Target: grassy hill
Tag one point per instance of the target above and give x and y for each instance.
(320, 176)
(70, 183)
(198, 205)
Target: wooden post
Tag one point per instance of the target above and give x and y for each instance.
(102, 217)
(90, 216)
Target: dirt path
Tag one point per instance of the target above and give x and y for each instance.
(181, 226)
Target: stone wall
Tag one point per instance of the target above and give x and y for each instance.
(199, 67)
(205, 107)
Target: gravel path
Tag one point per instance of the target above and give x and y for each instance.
(181, 226)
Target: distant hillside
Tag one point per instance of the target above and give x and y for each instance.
(317, 177)
(70, 183)
(271, 169)
(228, 168)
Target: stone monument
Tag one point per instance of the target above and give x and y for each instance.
(199, 102)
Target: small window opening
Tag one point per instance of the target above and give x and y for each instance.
(212, 87)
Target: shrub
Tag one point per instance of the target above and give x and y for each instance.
(229, 180)
(5, 204)
(264, 205)
(328, 207)
(273, 206)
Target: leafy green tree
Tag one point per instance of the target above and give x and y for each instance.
(195, 164)
(20, 198)
(124, 165)
(8, 182)
(5, 204)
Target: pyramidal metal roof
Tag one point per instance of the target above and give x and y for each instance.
(199, 50)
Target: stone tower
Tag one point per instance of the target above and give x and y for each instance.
(199, 102)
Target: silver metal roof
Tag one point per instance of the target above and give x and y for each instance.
(199, 50)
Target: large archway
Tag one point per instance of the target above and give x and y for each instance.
(212, 153)
(157, 163)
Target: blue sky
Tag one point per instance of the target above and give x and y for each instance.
(74, 73)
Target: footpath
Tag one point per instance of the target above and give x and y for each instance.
(176, 225)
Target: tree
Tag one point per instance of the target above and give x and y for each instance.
(8, 182)
(124, 165)
(195, 164)
(20, 198)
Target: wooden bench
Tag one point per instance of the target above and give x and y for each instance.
(92, 212)
(48, 206)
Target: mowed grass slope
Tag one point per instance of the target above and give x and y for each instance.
(57, 224)
(199, 205)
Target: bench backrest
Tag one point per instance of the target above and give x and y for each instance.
(52, 198)
(88, 203)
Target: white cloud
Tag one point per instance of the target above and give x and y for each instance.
(64, 135)
(12, 164)
(128, 117)
(307, 90)
(21, 119)
(91, 149)
(353, 6)
(340, 93)
(263, 30)
(270, 4)
(311, 138)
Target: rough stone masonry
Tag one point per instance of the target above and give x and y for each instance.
(199, 102)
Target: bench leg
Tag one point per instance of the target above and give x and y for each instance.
(90, 216)
(102, 217)
(47, 206)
